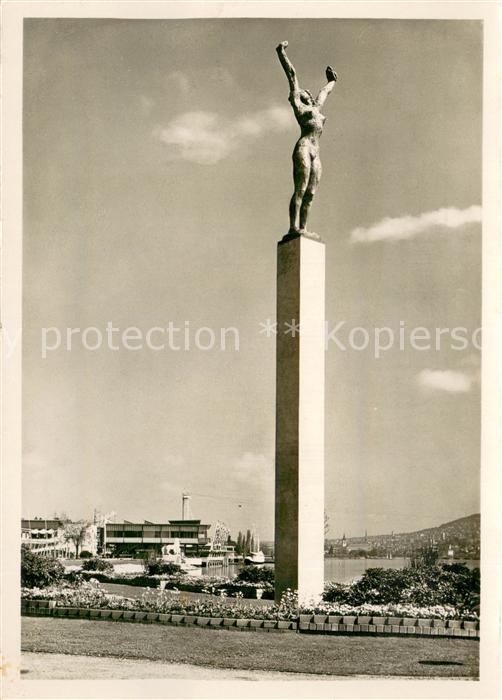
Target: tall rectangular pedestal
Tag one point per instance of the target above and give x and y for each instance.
(299, 462)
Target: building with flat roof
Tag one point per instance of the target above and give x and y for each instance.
(48, 537)
(137, 539)
(45, 537)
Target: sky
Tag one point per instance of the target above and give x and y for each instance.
(157, 175)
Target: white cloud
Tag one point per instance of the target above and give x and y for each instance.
(405, 227)
(207, 137)
(445, 380)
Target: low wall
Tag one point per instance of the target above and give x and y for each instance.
(363, 624)
(313, 624)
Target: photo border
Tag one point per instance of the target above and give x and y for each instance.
(13, 13)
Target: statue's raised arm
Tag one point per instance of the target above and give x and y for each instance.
(295, 92)
(289, 69)
(306, 162)
(324, 92)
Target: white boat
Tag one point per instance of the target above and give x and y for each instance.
(255, 558)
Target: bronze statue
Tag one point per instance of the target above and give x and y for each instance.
(306, 162)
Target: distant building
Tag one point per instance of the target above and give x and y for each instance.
(361, 545)
(136, 539)
(45, 537)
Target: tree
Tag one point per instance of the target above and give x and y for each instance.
(424, 556)
(247, 543)
(326, 530)
(239, 546)
(76, 533)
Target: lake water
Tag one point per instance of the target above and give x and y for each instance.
(340, 570)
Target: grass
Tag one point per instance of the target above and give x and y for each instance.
(289, 652)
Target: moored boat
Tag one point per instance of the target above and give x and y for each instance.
(255, 558)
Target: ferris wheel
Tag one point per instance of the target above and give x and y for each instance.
(221, 535)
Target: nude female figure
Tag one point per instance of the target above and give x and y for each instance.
(306, 162)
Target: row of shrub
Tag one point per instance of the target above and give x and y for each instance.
(42, 571)
(446, 584)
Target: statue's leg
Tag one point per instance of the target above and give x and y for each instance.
(301, 176)
(314, 177)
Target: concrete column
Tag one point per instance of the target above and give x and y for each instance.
(299, 462)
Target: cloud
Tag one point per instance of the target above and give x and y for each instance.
(445, 380)
(207, 138)
(405, 227)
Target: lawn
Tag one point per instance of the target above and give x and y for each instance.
(295, 653)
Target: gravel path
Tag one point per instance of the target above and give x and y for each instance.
(40, 666)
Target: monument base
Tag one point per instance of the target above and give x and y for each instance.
(299, 506)
(290, 235)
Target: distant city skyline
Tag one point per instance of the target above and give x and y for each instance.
(156, 183)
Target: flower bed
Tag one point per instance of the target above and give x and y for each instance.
(192, 584)
(89, 594)
(401, 610)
